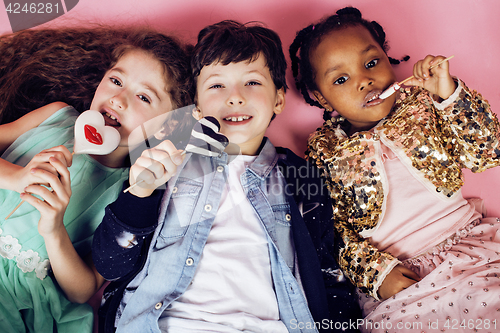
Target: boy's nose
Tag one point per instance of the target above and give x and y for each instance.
(235, 98)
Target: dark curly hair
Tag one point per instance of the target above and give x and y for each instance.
(230, 41)
(38, 67)
(309, 38)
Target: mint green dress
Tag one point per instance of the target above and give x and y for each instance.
(30, 300)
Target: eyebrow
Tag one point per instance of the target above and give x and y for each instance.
(147, 86)
(334, 68)
(152, 90)
(256, 71)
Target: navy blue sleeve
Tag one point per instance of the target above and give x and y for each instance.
(118, 240)
(331, 297)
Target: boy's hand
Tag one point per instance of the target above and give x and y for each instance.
(398, 279)
(436, 80)
(154, 168)
(24, 176)
(54, 200)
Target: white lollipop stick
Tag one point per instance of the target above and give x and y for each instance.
(91, 137)
(395, 86)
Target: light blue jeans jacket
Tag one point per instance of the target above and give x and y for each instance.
(188, 209)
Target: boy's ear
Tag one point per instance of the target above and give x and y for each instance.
(197, 113)
(321, 100)
(280, 101)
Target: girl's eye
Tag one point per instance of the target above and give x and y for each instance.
(340, 80)
(144, 99)
(116, 81)
(215, 86)
(372, 63)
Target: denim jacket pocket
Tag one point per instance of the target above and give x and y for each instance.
(180, 209)
(282, 214)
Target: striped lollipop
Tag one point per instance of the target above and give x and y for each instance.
(205, 140)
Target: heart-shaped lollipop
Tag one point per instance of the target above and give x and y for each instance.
(92, 136)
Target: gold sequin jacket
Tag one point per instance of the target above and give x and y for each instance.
(434, 140)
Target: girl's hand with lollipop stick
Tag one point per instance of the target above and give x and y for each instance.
(432, 73)
(24, 176)
(91, 137)
(440, 85)
(53, 197)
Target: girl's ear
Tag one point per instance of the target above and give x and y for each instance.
(280, 101)
(197, 113)
(321, 100)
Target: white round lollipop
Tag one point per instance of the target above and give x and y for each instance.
(92, 136)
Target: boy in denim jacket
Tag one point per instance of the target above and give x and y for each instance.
(235, 242)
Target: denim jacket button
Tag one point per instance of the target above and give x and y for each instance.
(288, 217)
(208, 208)
(189, 261)
(220, 168)
(174, 190)
(158, 305)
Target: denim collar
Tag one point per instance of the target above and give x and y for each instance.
(265, 161)
(262, 165)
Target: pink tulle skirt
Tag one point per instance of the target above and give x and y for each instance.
(459, 290)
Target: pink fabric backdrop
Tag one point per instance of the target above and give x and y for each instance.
(467, 29)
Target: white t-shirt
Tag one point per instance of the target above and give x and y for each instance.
(232, 289)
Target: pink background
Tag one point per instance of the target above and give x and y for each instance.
(467, 29)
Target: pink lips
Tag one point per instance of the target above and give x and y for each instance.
(372, 99)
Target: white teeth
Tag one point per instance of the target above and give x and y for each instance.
(373, 98)
(236, 119)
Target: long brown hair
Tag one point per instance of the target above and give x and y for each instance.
(38, 67)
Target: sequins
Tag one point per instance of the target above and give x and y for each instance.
(426, 135)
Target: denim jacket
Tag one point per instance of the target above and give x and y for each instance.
(186, 212)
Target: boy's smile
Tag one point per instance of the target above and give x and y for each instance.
(243, 97)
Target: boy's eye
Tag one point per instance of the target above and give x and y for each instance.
(253, 83)
(340, 80)
(144, 99)
(372, 63)
(116, 81)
